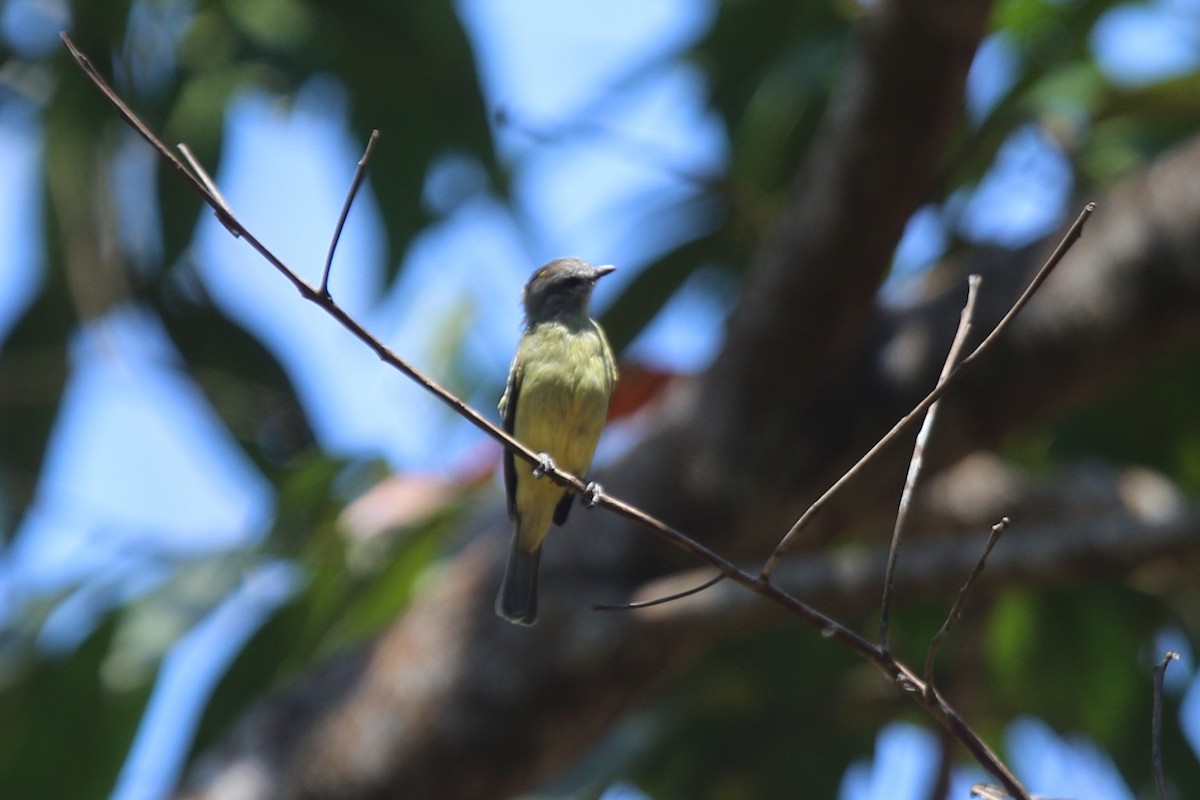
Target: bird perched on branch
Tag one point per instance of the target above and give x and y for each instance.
(556, 403)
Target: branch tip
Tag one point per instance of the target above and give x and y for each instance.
(916, 464)
(828, 627)
(1064, 245)
(658, 601)
(360, 173)
(961, 600)
(1156, 759)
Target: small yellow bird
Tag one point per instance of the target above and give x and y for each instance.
(556, 403)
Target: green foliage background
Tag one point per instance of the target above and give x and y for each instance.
(730, 728)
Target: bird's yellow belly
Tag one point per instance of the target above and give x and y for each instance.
(562, 418)
(561, 411)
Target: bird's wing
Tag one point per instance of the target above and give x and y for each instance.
(508, 411)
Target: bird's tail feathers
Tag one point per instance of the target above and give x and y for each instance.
(517, 600)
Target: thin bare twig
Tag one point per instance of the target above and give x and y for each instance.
(790, 537)
(903, 676)
(961, 600)
(360, 173)
(926, 696)
(235, 226)
(658, 601)
(918, 458)
(206, 179)
(1160, 673)
(945, 768)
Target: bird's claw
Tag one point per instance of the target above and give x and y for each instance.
(592, 494)
(545, 465)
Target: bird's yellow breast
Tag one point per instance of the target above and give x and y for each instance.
(568, 377)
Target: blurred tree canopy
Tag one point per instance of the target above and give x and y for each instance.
(385, 672)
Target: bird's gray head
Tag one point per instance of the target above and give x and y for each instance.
(561, 288)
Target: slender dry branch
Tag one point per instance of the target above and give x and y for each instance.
(927, 696)
(918, 459)
(961, 600)
(326, 303)
(209, 184)
(1072, 235)
(940, 790)
(658, 601)
(360, 172)
(903, 676)
(1160, 673)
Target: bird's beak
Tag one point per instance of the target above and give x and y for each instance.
(603, 270)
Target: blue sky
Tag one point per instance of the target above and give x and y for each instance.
(102, 503)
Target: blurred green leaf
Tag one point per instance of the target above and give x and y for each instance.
(1167, 440)
(770, 708)
(339, 604)
(65, 732)
(765, 710)
(1056, 653)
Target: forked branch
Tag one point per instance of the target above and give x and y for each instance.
(920, 690)
(789, 539)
